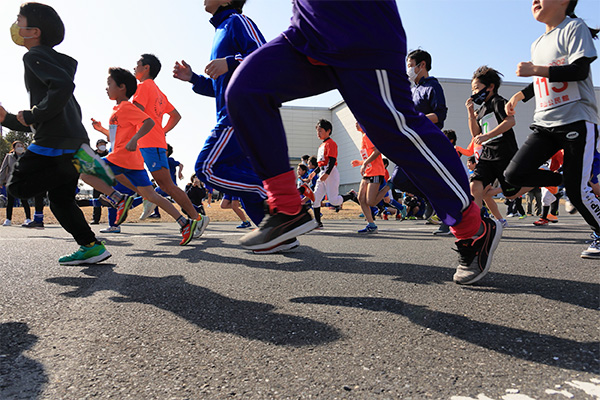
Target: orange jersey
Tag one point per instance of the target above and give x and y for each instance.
(155, 104)
(124, 123)
(386, 175)
(375, 168)
(327, 149)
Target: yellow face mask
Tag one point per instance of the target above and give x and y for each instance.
(16, 37)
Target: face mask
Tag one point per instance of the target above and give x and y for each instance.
(14, 33)
(412, 74)
(19, 150)
(102, 147)
(479, 97)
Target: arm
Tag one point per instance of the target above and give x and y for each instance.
(474, 127)
(328, 169)
(174, 118)
(180, 171)
(144, 129)
(201, 84)
(437, 102)
(97, 125)
(376, 153)
(504, 126)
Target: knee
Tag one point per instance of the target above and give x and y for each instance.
(512, 175)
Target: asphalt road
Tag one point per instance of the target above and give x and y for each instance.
(342, 317)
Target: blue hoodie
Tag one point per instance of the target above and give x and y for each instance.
(236, 36)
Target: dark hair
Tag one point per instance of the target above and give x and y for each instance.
(313, 161)
(487, 76)
(236, 5)
(169, 150)
(386, 162)
(450, 134)
(15, 143)
(303, 167)
(472, 159)
(570, 12)
(419, 56)
(44, 18)
(123, 77)
(323, 123)
(154, 63)
(305, 157)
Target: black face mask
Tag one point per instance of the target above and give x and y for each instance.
(479, 97)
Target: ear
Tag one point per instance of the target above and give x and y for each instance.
(492, 87)
(36, 33)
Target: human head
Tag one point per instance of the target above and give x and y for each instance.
(485, 79)
(18, 147)
(214, 6)
(451, 135)
(324, 129)
(471, 161)
(101, 143)
(124, 80)
(45, 21)
(148, 66)
(305, 158)
(312, 162)
(418, 64)
(301, 169)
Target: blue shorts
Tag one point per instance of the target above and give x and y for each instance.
(155, 158)
(138, 177)
(229, 197)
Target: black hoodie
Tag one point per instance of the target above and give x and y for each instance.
(55, 116)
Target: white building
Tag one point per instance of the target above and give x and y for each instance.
(299, 123)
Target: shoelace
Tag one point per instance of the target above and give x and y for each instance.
(595, 242)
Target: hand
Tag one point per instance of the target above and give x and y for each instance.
(2, 114)
(97, 125)
(470, 106)
(182, 71)
(480, 139)
(180, 176)
(356, 163)
(525, 69)
(131, 145)
(216, 68)
(509, 108)
(324, 177)
(311, 176)
(21, 118)
(363, 169)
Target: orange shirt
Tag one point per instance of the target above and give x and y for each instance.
(156, 105)
(124, 123)
(327, 149)
(375, 168)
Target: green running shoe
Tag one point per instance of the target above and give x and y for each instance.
(86, 161)
(86, 255)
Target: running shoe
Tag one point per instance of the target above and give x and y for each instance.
(593, 252)
(86, 255)
(34, 225)
(385, 216)
(277, 228)
(569, 207)
(541, 222)
(203, 222)
(123, 208)
(7, 222)
(105, 201)
(244, 225)
(475, 255)
(281, 247)
(504, 222)
(27, 221)
(369, 229)
(353, 196)
(552, 218)
(443, 230)
(188, 231)
(523, 216)
(86, 161)
(319, 226)
(148, 209)
(111, 229)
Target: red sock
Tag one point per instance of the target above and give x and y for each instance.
(469, 224)
(282, 193)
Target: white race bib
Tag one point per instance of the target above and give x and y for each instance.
(112, 134)
(488, 123)
(553, 94)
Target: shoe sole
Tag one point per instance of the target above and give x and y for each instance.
(92, 260)
(591, 256)
(279, 248)
(486, 268)
(301, 230)
(201, 227)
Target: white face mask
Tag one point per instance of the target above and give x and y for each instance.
(19, 150)
(412, 74)
(102, 147)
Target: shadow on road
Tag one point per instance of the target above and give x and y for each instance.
(535, 347)
(203, 307)
(20, 376)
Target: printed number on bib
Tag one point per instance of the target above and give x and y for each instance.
(554, 94)
(488, 123)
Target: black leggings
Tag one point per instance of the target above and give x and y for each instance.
(578, 140)
(11, 203)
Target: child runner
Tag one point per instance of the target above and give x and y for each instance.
(492, 129)
(229, 202)
(125, 157)
(329, 177)
(566, 113)
(6, 170)
(322, 50)
(60, 143)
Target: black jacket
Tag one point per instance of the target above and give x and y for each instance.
(55, 116)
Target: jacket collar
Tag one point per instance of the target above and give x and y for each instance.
(221, 16)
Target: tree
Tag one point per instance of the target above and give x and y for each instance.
(9, 138)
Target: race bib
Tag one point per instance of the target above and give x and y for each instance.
(488, 123)
(549, 95)
(112, 134)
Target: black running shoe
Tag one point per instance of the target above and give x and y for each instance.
(475, 255)
(278, 228)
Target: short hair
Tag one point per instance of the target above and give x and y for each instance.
(386, 162)
(487, 76)
(323, 123)
(123, 77)
(419, 56)
(450, 134)
(313, 161)
(303, 167)
(305, 157)
(238, 4)
(15, 143)
(153, 62)
(472, 159)
(44, 18)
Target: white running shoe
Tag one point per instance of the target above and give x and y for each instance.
(27, 222)
(148, 209)
(111, 229)
(7, 222)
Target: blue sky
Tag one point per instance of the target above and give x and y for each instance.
(461, 35)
